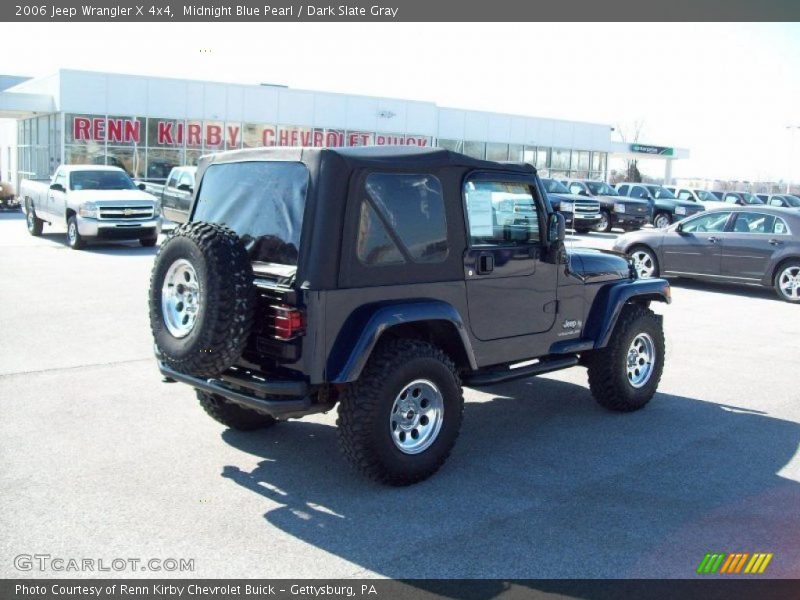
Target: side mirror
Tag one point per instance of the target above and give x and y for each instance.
(185, 187)
(141, 186)
(57, 187)
(556, 228)
(679, 228)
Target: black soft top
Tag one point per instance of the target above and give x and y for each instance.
(335, 173)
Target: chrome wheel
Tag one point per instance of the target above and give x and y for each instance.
(640, 360)
(416, 417)
(180, 298)
(661, 221)
(72, 233)
(602, 224)
(644, 263)
(789, 283)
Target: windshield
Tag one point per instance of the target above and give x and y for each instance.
(554, 187)
(751, 199)
(705, 196)
(660, 193)
(600, 188)
(792, 201)
(262, 201)
(100, 180)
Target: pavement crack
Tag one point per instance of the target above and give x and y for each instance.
(73, 368)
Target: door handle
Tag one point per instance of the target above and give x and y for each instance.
(774, 242)
(485, 263)
(713, 239)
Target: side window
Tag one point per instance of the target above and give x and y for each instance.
(685, 195)
(402, 219)
(775, 201)
(61, 177)
(186, 179)
(780, 227)
(623, 190)
(731, 198)
(576, 188)
(501, 213)
(753, 223)
(638, 191)
(173, 180)
(710, 222)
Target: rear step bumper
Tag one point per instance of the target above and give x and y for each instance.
(485, 378)
(297, 401)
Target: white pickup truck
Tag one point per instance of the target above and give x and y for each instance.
(94, 202)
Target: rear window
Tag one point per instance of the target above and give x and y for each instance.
(262, 201)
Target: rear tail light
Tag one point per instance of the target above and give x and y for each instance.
(288, 322)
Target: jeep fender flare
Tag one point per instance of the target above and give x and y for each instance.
(609, 301)
(364, 328)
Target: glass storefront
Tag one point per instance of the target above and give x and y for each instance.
(148, 148)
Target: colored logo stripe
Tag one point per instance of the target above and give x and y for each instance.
(758, 563)
(734, 562)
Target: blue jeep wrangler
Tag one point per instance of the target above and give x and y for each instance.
(382, 279)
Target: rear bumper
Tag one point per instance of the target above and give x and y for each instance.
(121, 229)
(294, 395)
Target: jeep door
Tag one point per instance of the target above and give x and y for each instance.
(694, 246)
(511, 289)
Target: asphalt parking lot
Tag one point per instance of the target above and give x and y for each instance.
(101, 459)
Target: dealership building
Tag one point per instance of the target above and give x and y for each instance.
(147, 125)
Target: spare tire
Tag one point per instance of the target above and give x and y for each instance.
(202, 299)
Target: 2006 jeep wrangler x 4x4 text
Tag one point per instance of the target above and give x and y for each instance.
(381, 279)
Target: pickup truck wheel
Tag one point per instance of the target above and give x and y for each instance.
(148, 242)
(662, 220)
(398, 423)
(202, 299)
(604, 224)
(231, 414)
(74, 238)
(624, 375)
(34, 223)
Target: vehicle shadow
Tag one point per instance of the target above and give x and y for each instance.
(119, 248)
(729, 289)
(544, 483)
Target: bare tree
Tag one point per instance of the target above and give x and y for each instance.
(629, 133)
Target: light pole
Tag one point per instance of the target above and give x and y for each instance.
(793, 130)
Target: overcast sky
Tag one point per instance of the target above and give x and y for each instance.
(725, 91)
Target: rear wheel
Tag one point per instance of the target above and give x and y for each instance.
(74, 238)
(398, 423)
(787, 281)
(604, 224)
(644, 261)
(231, 414)
(624, 375)
(34, 223)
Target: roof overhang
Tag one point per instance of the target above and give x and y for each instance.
(17, 105)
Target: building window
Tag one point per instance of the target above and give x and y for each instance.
(560, 160)
(516, 153)
(496, 151)
(452, 145)
(160, 162)
(402, 216)
(475, 149)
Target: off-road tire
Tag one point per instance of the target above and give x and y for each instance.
(364, 412)
(231, 414)
(148, 242)
(227, 299)
(34, 223)
(608, 379)
(76, 241)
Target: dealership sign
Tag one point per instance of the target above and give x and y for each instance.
(659, 150)
(215, 135)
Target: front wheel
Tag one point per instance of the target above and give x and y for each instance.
(624, 375)
(74, 238)
(645, 262)
(787, 282)
(604, 224)
(398, 423)
(662, 220)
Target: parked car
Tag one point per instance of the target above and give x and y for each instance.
(702, 197)
(94, 203)
(785, 200)
(664, 207)
(763, 197)
(741, 198)
(580, 212)
(615, 210)
(754, 244)
(380, 279)
(8, 198)
(718, 194)
(176, 194)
